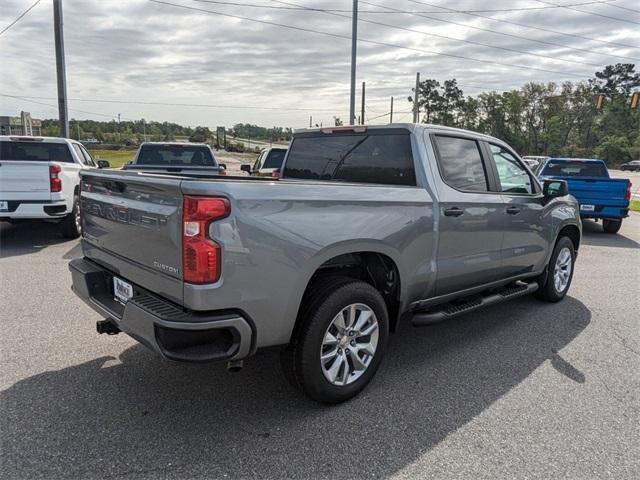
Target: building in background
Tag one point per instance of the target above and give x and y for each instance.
(22, 125)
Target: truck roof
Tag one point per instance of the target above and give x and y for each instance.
(25, 138)
(565, 159)
(178, 144)
(412, 127)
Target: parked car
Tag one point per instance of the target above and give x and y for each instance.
(632, 166)
(39, 179)
(176, 157)
(599, 195)
(534, 161)
(268, 162)
(367, 228)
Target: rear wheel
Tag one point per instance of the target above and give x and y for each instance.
(70, 226)
(339, 343)
(560, 272)
(611, 226)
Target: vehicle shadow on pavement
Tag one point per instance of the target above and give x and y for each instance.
(28, 237)
(593, 235)
(141, 417)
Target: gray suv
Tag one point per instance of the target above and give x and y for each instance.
(367, 228)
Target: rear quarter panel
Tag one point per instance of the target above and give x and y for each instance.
(279, 233)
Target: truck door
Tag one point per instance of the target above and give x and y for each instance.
(524, 246)
(471, 219)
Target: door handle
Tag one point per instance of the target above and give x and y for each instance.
(453, 212)
(513, 210)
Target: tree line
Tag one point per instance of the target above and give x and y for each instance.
(590, 119)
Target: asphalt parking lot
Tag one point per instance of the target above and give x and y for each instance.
(520, 390)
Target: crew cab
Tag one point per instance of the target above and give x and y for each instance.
(599, 195)
(176, 157)
(367, 228)
(39, 179)
(268, 162)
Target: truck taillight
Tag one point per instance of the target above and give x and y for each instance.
(628, 195)
(201, 256)
(275, 174)
(222, 171)
(55, 182)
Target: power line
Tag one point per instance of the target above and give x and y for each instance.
(544, 42)
(589, 13)
(191, 105)
(20, 17)
(621, 8)
(28, 99)
(472, 42)
(373, 42)
(493, 10)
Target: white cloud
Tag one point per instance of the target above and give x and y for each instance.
(143, 51)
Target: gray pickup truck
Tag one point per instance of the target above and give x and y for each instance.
(368, 227)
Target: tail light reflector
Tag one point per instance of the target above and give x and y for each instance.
(628, 195)
(275, 174)
(55, 182)
(201, 256)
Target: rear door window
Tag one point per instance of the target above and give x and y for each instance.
(381, 158)
(35, 152)
(460, 163)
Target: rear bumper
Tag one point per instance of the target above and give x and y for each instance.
(35, 209)
(161, 325)
(606, 212)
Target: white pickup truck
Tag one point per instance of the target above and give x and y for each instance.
(39, 179)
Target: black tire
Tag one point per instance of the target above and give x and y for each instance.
(301, 359)
(611, 226)
(548, 291)
(69, 226)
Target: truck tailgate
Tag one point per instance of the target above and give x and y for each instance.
(131, 224)
(608, 192)
(24, 180)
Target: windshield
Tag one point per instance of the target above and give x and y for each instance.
(275, 158)
(574, 169)
(180, 155)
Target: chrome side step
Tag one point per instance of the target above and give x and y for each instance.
(518, 289)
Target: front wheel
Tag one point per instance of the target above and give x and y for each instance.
(560, 273)
(611, 226)
(340, 340)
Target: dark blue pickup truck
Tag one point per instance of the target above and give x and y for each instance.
(599, 195)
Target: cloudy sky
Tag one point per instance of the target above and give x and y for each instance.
(130, 56)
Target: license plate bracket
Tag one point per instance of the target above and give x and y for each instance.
(587, 208)
(122, 291)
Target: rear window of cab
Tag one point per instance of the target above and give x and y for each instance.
(370, 157)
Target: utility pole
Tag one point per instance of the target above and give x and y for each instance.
(362, 107)
(310, 121)
(391, 113)
(416, 107)
(144, 130)
(63, 112)
(78, 129)
(354, 44)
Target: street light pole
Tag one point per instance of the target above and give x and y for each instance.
(354, 44)
(63, 112)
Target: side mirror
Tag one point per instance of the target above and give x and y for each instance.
(246, 168)
(103, 164)
(555, 188)
(223, 165)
